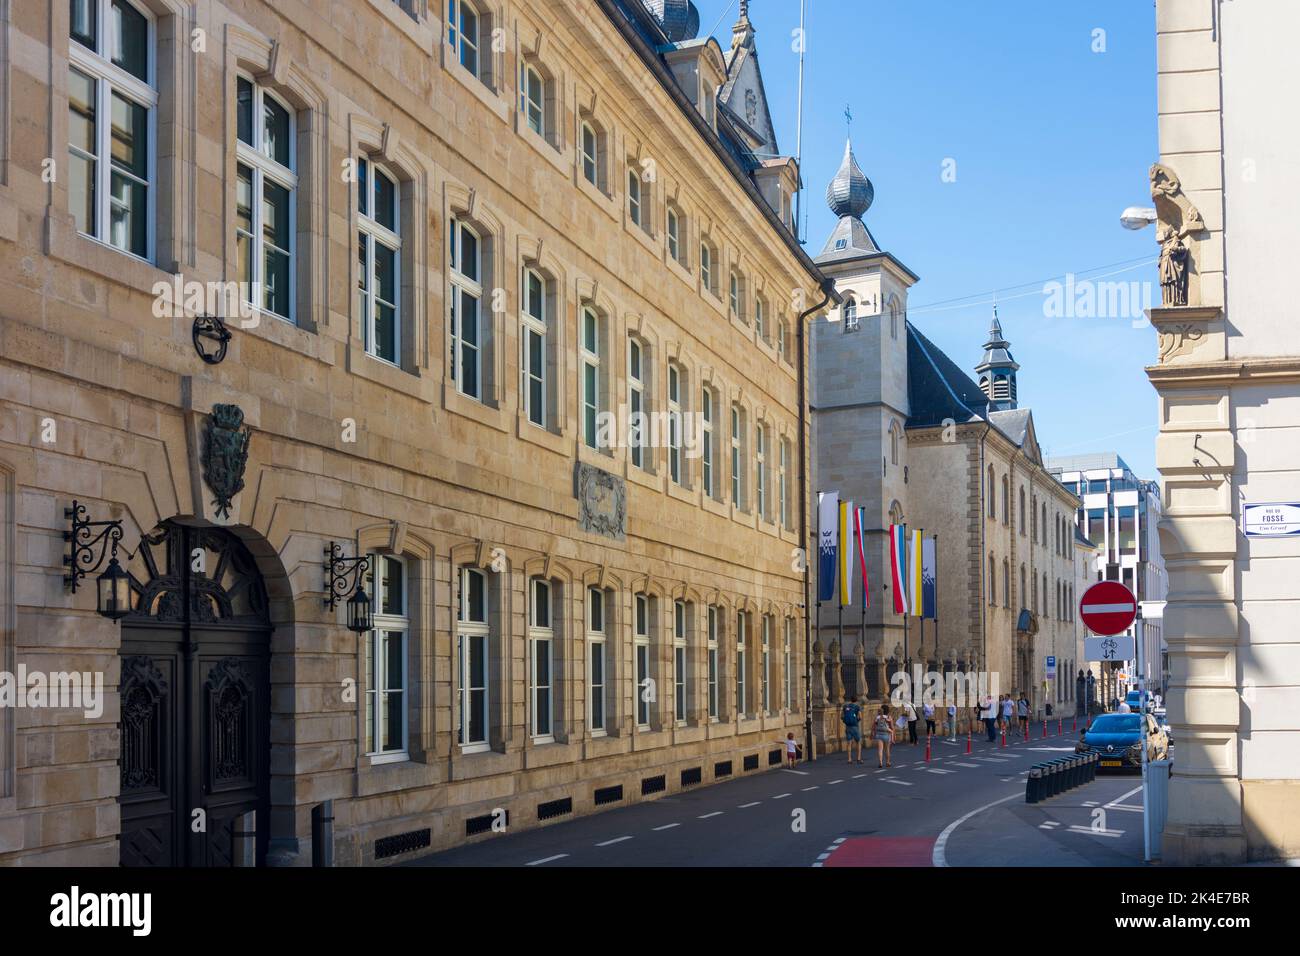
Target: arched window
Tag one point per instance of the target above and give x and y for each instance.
(850, 314)
(1006, 583)
(1006, 500)
(1022, 510)
(993, 582)
(992, 495)
(893, 318)
(1044, 524)
(893, 443)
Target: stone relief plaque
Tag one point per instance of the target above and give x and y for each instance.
(602, 502)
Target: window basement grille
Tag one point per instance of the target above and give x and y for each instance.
(483, 824)
(554, 808)
(654, 785)
(391, 846)
(609, 795)
(773, 758)
(722, 769)
(751, 762)
(692, 776)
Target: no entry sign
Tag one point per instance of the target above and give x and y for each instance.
(1108, 607)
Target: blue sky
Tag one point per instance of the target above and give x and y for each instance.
(1051, 141)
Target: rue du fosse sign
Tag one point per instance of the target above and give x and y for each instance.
(1271, 520)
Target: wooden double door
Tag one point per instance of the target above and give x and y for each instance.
(195, 704)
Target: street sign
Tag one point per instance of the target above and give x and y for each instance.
(1108, 607)
(1051, 667)
(1271, 520)
(1110, 649)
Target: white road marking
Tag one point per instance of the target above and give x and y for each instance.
(746, 805)
(901, 783)
(802, 773)
(1090, 803)
(1049, 825)
(837, 842)
(1124, 807)
(549, 859)
(1122, 796)
(937, 855)
(958, 763)
(937, 770)
(705, 816)
(858, 775)
(781, 796)
(834, 782)
(806, 789)
(667, 826)
(613, 841)
(823, 856)
(1092, 832)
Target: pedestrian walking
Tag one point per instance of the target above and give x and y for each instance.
(1022, 714)
(990, 717)
(791, 750)
(851, 716)
(883, 734)
(910, 713)
(927, 711)
(1008, 713)
(952, 721)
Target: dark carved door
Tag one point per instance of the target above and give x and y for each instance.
(195, 695)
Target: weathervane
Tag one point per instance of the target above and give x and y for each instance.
(848, 119)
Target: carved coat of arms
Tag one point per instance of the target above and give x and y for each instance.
(602, 502)
(225, 453)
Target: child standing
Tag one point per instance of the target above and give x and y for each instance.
(791, 750)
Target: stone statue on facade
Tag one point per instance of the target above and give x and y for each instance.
(1173, 268)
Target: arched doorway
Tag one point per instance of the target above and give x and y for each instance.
(195, 699)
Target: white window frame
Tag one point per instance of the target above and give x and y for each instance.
(737, 489)
(681, 702)
(463, 287)
(532, 98)
(634, 197)
(760, 319)
(676, 471)
(734, 295)
(593, 395)
(641, 651)
(708, 477)
(479, 632)
(673, 228)
(263, 167)
(541, 637)
(590, 159)
(713, 663)
(766, 660)
(390, 624)
(783, 472)
(533, 321)
(109, 78)
(760, 466)
(459, 41)
(706, 266)
(741, 654)
(373, 234)
(597, 643)
(786, 676)
(636, 403)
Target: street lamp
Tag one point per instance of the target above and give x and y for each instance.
(1137, 217)
(344, 573)
(87, 550)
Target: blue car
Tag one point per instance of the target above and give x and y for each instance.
(1134, 700)
(1117, 741)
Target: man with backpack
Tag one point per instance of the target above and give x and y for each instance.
(851, 716)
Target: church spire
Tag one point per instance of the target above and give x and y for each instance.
(849, 196)
(997, 371)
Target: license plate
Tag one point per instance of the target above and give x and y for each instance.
(1111, 763)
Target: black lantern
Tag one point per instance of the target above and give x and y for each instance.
(345, 573)
(87, 552)
(114, 589)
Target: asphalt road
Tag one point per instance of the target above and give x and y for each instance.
(831, 813)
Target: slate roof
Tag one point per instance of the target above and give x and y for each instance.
(1012, 422)
(937, 390)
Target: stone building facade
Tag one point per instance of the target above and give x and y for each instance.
(1227, 375)
(900, 429)
(471, 231)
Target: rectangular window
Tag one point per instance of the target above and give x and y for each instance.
(706, 456)
(765, 662)
(674, 425)
(472, 661)
(591, 390)
(760, 467)
(379, 253)
(786, 676)
(111, 104)
(679, 661)
(713, 663)
(735, 296)
(674, 240)
(636, 403)
(265, 191)
(742, 696)
(463, 35)
(760, 322)
(465, 320)
(783, 504)
(541, 637)
(532, 98)
(385, 652)
(596, 644)
(641, 640)
(534, 328)
(590, 169)
(634, 196)
(735, 456)
(706, 267)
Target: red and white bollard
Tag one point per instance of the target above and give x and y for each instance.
(927, 748)
(1004, 738)
(1060, 726)
(1044, 728)
(1074, 723)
